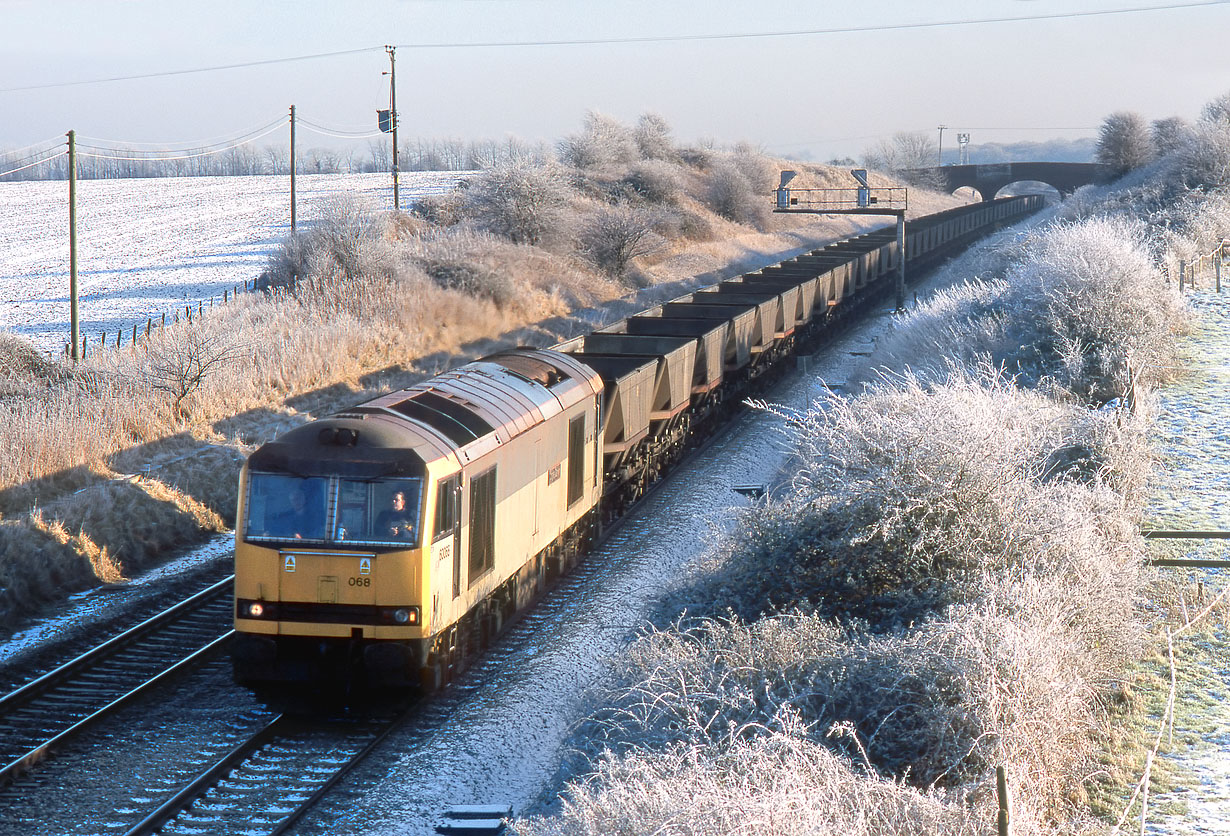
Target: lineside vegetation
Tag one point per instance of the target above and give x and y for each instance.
(952, 579)
(110, 466)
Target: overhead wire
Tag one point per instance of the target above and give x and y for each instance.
(33, 164)
(151, 157)
(220, 139)
(232, 142)
(729, 36)
(43, 146)
(341, 134)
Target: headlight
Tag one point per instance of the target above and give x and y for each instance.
(256, 609)
(406, 615)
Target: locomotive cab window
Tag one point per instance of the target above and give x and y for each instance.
(328, 510)
(446, 507)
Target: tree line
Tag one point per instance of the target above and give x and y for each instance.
(417, 154)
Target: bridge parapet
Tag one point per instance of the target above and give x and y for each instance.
(989, 178)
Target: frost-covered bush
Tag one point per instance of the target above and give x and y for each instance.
(950, 586)
(1203, 162)
(907, 498)
(730, 194)
(468, 261)
(653, 138)
(614, 235)
(780, 784)
(346, 241)
(1124, 142)
(603, 142)
(1082, 304)
(525, 203)
(655, 180)
(1169, 135)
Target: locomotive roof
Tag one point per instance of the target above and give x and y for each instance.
(458, 415)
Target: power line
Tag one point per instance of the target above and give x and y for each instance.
(730, 36)
(234, 142)
(33, 164)
(837, 30)
(166, 73)
(192, 145)
(340, 134)
(150, 156)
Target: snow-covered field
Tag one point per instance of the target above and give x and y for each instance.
(148, 246)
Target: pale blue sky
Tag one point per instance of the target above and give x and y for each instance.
(830, 94)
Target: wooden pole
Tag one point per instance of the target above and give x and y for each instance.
(74, 322)
(292, 168)
(1182, 273)
(1004, 823)
(392, 51)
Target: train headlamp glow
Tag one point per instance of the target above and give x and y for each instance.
(406, 615)
(256, 609)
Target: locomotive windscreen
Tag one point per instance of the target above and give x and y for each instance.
(332, 511)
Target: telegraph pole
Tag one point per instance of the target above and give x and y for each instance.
(74, 330)
(292, 168)
(940, 162)
(392, 51)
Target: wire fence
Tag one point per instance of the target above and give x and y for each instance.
(190, 314)
(1190, 272)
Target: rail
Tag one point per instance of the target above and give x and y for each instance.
(42, 714)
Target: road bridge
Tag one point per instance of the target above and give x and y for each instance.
(989, 178)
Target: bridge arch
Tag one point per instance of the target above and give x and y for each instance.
(989, 178)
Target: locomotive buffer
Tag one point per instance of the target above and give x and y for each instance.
(863, 200)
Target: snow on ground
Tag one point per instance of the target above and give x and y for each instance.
(149, 246)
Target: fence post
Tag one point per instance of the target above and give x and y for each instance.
(134, 335)
(1182, 273)
(102, 343)
(1220, 254)
(1004, 823)
(84, 342)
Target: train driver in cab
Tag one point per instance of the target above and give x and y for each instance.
(394, 522)
(297, 520)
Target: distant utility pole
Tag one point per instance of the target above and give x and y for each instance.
(74, 329)
(392, 51)
(292, 168)
(941, 154)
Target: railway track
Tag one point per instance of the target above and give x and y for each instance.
(265, 784)
(46, 712)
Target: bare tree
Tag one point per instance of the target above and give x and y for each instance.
(519, 201)
(603, 142)
(653, 138)
(1124, 142)
(1169, 135)
(904, 150)
(180, 359)
(1217, 110)
(615, 235)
